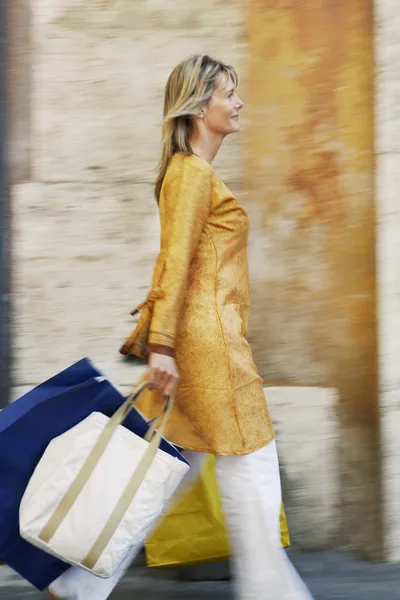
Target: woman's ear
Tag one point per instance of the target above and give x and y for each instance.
(200, 115)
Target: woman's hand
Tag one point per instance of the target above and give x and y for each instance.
(162, 374)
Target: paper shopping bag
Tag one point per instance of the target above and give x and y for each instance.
(26, 428)
(194, 530)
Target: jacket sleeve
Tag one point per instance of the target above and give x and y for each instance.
(187, 197)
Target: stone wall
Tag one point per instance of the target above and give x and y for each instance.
(84, 145)
(387, 16)
(85, 221)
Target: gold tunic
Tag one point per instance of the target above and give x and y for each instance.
(198, 310)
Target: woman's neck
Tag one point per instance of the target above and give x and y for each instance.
(205, 146)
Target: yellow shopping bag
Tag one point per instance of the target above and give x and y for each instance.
(194, 530)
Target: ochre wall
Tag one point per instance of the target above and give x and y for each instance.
(309, 173)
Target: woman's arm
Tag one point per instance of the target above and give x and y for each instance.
(187, 196)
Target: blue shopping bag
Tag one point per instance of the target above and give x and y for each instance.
(26, 428)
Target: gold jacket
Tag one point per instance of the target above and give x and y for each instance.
(197, 310)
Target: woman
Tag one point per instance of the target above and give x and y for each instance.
(194, 324)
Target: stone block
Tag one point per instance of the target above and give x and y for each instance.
(387, 62)
(83, 258)
(388, 279)
(388, 272)
(18, 91)
(307, 431)
(99, 73)
(386, 23)
(19, 391)
(391, 474)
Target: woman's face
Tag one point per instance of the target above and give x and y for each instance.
(221, 115)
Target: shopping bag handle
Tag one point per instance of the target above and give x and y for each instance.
(123, 411)
(153, 436)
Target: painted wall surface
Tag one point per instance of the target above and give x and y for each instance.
(309, 173)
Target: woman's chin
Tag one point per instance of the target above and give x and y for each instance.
(235, 127)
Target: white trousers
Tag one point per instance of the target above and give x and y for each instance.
(251, 496)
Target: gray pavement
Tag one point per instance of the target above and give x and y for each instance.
(330, 576)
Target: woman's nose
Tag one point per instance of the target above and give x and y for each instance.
(239, 103)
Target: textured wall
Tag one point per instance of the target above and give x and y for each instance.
(19, 91)
(306, 424)
(309, 172)
(86, 224)
(387, 14)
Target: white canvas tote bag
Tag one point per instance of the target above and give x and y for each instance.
(99, 489)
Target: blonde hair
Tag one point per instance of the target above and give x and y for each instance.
(189, 88)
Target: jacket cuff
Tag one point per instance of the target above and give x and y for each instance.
(162, 338)
(160, 349)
